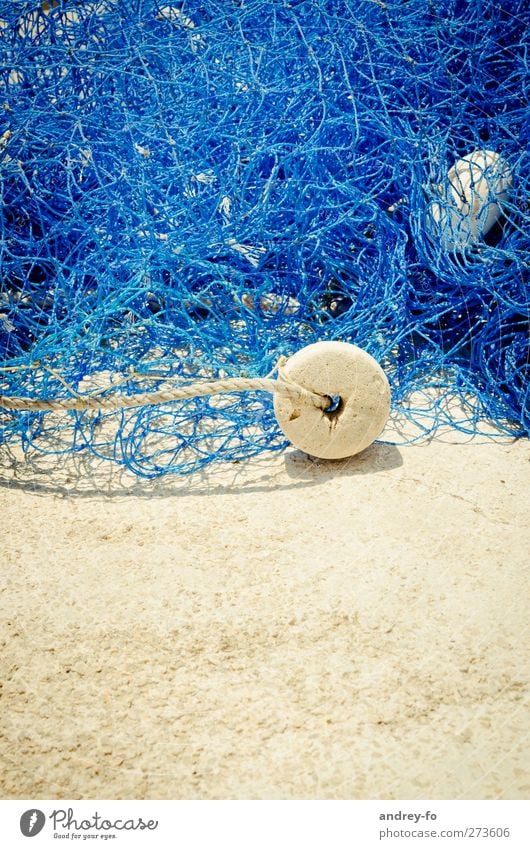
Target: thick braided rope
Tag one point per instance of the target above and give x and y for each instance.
(164, 396)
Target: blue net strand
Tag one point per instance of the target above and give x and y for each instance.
(191, 189)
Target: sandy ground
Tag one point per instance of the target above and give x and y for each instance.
(285, 628)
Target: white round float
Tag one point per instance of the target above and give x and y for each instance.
(473, 196)
(359, 395)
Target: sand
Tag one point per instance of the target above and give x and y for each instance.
(284, 628)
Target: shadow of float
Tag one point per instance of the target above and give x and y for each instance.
(378, 457)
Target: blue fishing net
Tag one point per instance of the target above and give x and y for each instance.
(191, 189)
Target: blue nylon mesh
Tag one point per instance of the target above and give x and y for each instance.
(192, 189)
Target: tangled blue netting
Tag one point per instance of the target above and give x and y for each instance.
(192, 189)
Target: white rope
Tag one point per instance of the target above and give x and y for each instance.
(165, 396)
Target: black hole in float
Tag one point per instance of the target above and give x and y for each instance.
(335, 405)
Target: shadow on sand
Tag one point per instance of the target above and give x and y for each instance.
(83, 475)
